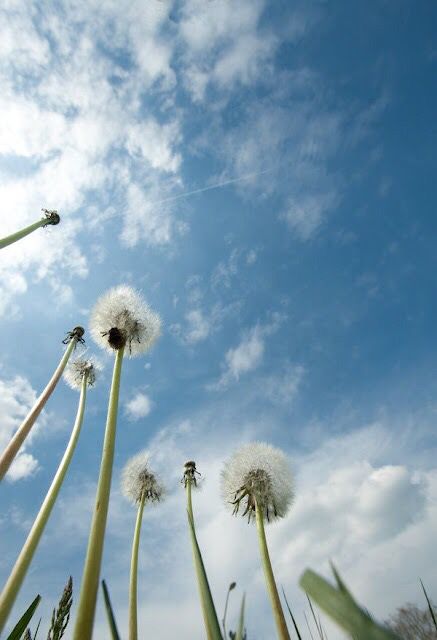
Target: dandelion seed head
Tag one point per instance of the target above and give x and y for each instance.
(137, 478)
(258, 473)
(76, 370)
(122, 318)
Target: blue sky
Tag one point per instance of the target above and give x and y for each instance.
(298, 298)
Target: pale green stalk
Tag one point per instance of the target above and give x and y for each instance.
(4, 242)
(281, 625)
(240, 630)
(8, 455)
(209, 613)
(90, 580)
(21, 566)
(133, 621)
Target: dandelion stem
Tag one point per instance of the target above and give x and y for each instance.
(4, 242)
(21, 566)
(209, 613)
(133, 623)
(21, 434)
(90, 579)
(281, 625)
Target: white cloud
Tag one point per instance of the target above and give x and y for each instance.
(16, 399)
(305, 214)
(139, 406)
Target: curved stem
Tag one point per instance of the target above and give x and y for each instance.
(7, 240)
(281, 625)
(133, 623)
(21, 566)
(90, 580)
(209, 613)
(22, 432)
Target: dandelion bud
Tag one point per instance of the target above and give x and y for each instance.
(121, 318)
(258, 474)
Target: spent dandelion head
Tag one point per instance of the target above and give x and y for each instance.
(258, 474)
(190, 473)
(122, 318)
(51, 216)
(76, 334)
(78, 369)
(139, 480)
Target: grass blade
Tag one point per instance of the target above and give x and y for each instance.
(318, 627)
(110, 613)
(240, 630)
(23, 622)
(429, 605)
(296, 628)
(339, 604)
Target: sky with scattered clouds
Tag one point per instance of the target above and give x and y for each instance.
(264, 174)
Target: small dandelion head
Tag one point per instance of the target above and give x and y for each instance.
(258, 473)
(121, 318)
(138, 479)
(76, 370)
(190, 473)
(51, 216)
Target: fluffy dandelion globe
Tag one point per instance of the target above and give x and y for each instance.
(76, 370)
(121, 318)
(138, 480)
(258, 474)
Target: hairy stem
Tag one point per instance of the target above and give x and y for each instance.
(90, 580)
(133, 622)
(21, 566)
(8, 455)
(281, 625)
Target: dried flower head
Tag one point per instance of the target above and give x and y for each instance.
(258, 474)
(138, 479)
(190, 473)
(51, 216)
(76, 370)
(122, 318)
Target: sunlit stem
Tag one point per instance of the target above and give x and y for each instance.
(90, 579)
(21, 434)
(133, 622)
(281, 625)
(21, 566)
(209, 614)
(4, 242)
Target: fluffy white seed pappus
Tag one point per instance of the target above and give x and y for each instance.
(75, 371)
(137, 479)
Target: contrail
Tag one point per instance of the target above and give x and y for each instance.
(214, 186)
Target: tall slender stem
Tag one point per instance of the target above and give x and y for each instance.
(4, 242)
(90, 580)
(21, 566)
(21, 434)
(133, 618)
(209, 613)
(281, 625)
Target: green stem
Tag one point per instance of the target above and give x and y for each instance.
(209, 613)
(4, 242)
(133, 621)
(21, 434)
(281, 625)
(21, 566)
(90, 580)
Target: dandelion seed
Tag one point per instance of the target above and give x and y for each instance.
(122, 318)
(258, 474)
(139, 485)
(258, 479)
(75, 372)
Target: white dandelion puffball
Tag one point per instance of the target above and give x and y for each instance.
(76, 370)
(258, 473)
(121, 318)
(137, 479)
